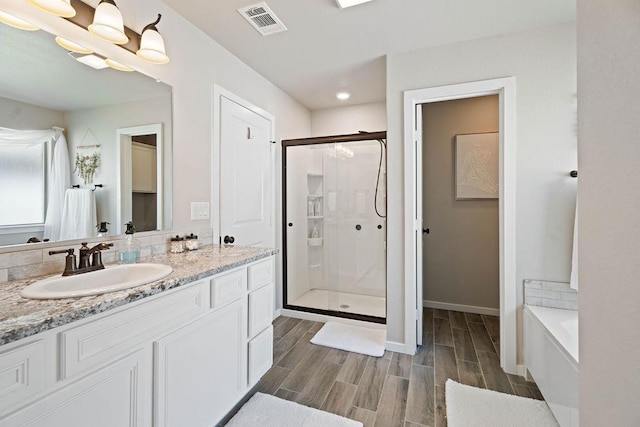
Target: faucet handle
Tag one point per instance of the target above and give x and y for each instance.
(70, 266)
(63, 251)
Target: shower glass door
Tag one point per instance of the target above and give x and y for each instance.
(335, 228)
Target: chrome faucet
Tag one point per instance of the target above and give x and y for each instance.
(71, 268)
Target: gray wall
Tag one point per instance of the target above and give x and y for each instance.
(609, 236)
(460, 256)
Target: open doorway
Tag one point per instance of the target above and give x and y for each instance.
(460, 215)
(141, 184)
(414, 100)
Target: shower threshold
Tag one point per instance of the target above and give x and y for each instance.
(356, 304)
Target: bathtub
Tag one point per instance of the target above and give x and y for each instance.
(551, 356)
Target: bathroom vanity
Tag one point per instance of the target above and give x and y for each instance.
(181, 351)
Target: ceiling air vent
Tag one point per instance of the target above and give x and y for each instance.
(263, 19)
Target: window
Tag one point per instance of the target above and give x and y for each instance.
(23, 185)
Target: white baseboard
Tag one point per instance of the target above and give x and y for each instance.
(461, 307)
(324, 318)
(277, 313)
(397, 347)
(522, 371)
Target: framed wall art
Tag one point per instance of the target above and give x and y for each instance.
(476, 166)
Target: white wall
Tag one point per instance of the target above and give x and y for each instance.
(351, 119)
(102, 123)
(23, 116)
(609, 236)
(543, 62)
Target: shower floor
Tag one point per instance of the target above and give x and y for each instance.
(351, 303)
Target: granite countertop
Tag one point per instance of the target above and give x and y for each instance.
(21, 317)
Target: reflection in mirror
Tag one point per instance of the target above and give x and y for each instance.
(69, 172)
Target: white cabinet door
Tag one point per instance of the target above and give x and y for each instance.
(144, 167)
(118, 395)
(260, 355)
(201, 369)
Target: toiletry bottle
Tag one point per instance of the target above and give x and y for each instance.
(310, 210)
(177, 244)
(102, 229)
(191, 242)
(318, 207)
(129, 252)
(314, 233)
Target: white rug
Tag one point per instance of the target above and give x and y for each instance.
(264, 410)
(476, 407)
(358, 339)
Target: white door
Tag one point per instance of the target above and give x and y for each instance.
(418, 221)
(246, 176)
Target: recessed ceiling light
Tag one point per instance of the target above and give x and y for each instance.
(343, 96)
(15, 22)
(73, 46)
(92, 61)
(348, 3)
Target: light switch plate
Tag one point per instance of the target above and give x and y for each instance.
(199, 210)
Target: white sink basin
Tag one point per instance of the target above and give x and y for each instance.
(98, 282)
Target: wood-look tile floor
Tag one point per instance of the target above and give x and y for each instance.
(397, 389)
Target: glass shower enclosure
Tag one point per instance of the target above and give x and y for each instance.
(334, 203)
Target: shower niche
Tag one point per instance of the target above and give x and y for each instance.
(334, 206)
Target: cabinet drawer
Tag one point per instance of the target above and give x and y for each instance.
(260, 355)
(228, 287)
(21, 373)
(260, 309)
(260, 273)
(103, 340)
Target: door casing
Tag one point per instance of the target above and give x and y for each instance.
(505, 88)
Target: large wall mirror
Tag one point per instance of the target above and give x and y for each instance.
(79, 146)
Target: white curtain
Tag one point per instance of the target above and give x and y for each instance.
(26, 138)
(60, 175)
(59, 182)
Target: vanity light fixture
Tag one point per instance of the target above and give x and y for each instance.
(343, 96)
(348, 3)
(108, 23)
(55, 7)
(73, 46)
(93, 61)
(16, 22)
(117, 65)
(152, 44)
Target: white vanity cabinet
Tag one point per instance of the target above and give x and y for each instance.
(183, 357)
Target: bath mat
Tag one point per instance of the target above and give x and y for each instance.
(264, 410)
(476, 407)
(358, 339)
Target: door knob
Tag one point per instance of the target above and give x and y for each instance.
(358, 227)
(228, 239)
(425, 231)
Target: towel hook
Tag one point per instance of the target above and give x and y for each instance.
(573, 174)
(96, 186)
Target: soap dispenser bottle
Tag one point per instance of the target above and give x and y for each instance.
(103, 231)
(129, 252)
